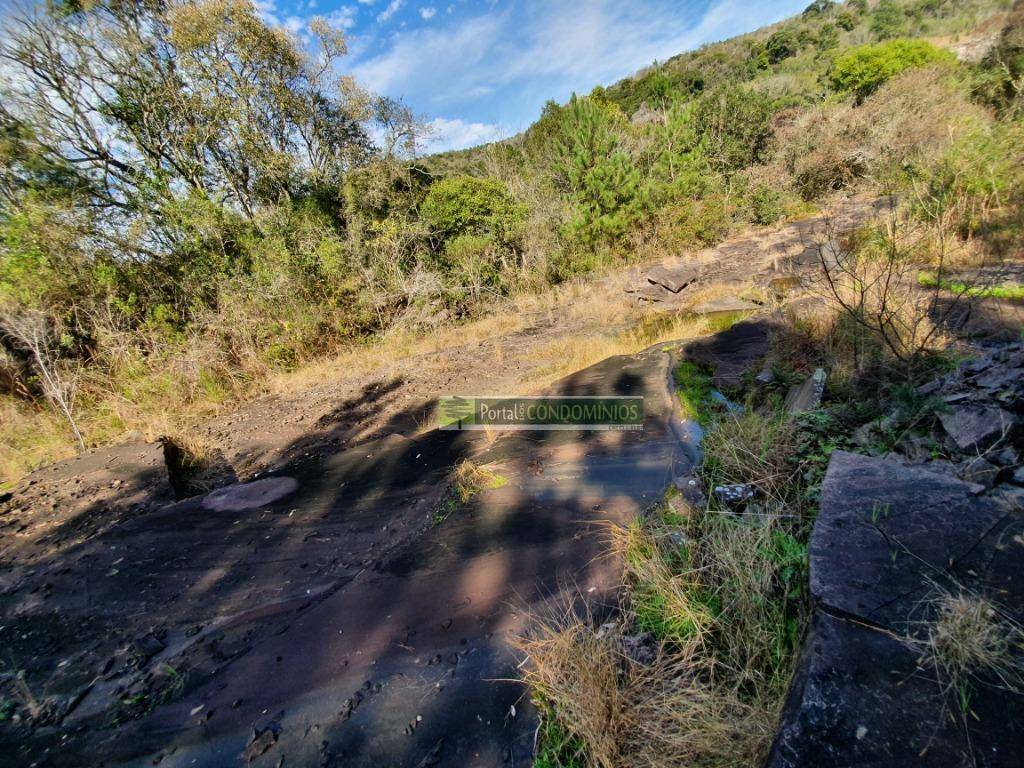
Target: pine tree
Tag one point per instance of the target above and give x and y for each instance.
(597, 174)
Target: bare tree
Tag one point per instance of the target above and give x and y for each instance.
(33, 331)
(892, 279)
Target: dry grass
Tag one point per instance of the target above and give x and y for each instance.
(723, 594)
(628, 714)
(576, 352)
(468, 479)
(968, 639)
(755, 449)
(30, 438)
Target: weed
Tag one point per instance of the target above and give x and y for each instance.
(970, 638)
(469, 479)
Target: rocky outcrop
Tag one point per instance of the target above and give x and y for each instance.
(942, 512)
(887, 536)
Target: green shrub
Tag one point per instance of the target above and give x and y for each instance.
(781, 45)
(862, 70)
(846, 20)
(766, 204)
(281, 356)
(470, 205)
(888, 19)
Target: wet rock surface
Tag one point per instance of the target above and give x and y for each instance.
(893, 531)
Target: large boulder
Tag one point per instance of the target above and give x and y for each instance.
(887, 536)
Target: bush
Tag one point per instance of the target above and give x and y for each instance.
(470, 205)
(862, 70)
(888, 19)
(766, 204)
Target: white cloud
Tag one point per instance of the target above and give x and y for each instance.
(446, 134)
(366, 2)
(393, 7)
(344, 17)
(427, 13)
(553, 47)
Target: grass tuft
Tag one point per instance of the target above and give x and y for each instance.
(693, 386)
(970, 640)
(469, 479)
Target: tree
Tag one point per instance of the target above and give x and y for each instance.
(596, 173)
(151, 100)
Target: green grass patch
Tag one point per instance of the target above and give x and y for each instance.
(557, 747)
(693, 385)
(1005, 291)
(723, 321)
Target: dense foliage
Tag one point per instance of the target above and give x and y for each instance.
(190, 197)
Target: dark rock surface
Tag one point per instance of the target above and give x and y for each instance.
(323, 615)
(733, 352)
(887, 536)
(975, 428)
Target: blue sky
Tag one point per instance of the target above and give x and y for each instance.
(479, 70)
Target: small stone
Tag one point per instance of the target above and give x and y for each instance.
(807, 396)
(734, 494)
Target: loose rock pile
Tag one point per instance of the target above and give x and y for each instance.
(977, 432)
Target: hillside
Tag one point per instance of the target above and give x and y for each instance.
(253, 511)
(153, 298)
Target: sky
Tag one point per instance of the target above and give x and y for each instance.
(481, 70)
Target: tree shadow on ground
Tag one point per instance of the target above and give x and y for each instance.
(341, 617)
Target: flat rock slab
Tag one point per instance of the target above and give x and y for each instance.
(975, 427)
(731, 353)
(251, 495)
(886, 538)
(860, 699)
(806, 396)
(326, 615)
(725, 305)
